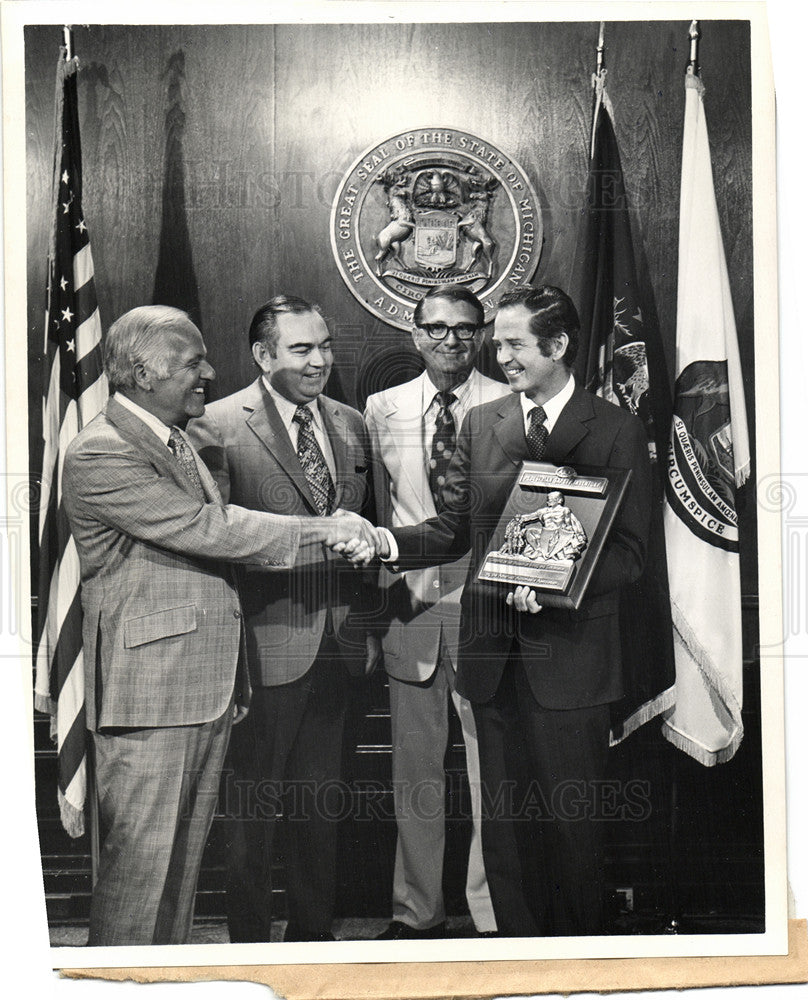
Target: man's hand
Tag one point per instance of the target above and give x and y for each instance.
(353, 537)
(239, 713)
(524, 600)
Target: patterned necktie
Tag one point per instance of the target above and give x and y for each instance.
(443, 444)
(537, 433)
(186, 461)
(313, 463)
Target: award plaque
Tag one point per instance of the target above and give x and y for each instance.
(553, 529)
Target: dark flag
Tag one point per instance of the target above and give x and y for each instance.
(74, 390)
(620, 358)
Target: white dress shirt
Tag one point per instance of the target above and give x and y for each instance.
(153, 423)
(552, 407)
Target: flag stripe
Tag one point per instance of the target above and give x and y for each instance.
(68, 645)
(85, 300)
(89, 369)
(73, 745)
(83, 270)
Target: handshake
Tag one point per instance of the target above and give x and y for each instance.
(355, 538)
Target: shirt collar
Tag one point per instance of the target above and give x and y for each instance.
(153, 423)
(552, 407)
(428, 396)
(286, 408)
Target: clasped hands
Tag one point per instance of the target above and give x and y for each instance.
(356, 539)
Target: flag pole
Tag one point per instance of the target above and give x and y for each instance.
(92, 796)
(674, 922)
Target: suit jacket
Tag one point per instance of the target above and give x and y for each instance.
(162, 619)
(572, 658)
(415, 605)
(248, 450)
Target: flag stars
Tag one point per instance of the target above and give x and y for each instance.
(63, 283)
(81, 227)
(65, 177)
(67, 315)
(71, 346)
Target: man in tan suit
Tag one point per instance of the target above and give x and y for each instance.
(163, 634)
(281, 445)
(412, 429)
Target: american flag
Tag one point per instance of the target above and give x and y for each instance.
(74, 390)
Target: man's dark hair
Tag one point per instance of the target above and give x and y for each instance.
(454, 293)
(264, 325)
(552, 312)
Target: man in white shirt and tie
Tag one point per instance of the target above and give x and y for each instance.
(413, 429)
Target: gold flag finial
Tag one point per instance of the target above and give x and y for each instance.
(67, 35)
(599, 69)
(695, 34)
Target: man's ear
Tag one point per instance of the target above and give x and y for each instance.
(261, 355)
(142, 377)
(560, 341)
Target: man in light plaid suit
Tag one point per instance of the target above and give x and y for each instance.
(163, 634)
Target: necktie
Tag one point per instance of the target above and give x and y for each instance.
(186, 461)
(537, 433)
(443, 444)
(313, 463)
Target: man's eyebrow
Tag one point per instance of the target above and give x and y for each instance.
(310, 343)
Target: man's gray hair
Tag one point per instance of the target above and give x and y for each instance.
(141, 336)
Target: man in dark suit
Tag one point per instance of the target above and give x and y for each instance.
(540, 680)
(162, 631)
(279, 445)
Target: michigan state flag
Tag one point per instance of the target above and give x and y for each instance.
(620, 358)
(708, 459)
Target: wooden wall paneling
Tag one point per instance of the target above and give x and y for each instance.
(233, 209)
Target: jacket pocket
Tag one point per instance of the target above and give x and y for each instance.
(159, 625)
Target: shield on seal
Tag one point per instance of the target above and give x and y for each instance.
(435, 238)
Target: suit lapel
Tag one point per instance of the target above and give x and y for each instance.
(337, 431)
(265, 422)
(140, 434)
(510, 429)
(570, 427)
(403, 423)
(143, 437)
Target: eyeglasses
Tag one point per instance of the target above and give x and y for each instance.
(440, 331)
